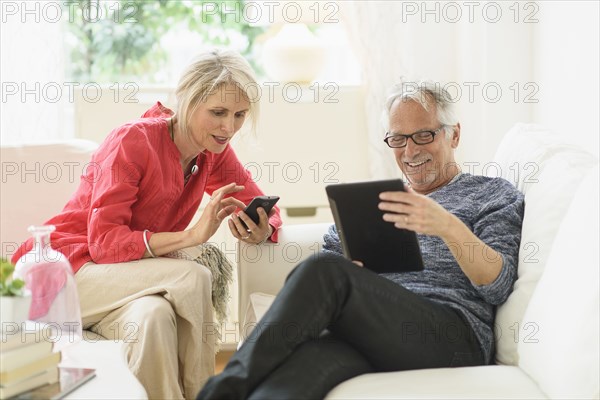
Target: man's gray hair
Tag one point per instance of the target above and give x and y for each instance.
(425, 93)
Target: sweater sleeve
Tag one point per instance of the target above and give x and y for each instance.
(499, 227)
(227, 169)
(332, 242)
(115, 173)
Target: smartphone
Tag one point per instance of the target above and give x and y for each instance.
(266, 202)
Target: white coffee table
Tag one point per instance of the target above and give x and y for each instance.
(113, 378)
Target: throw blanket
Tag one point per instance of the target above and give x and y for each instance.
(219, 266)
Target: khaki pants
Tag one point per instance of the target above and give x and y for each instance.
(162, 309)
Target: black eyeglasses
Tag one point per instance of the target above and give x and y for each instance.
(421, 137)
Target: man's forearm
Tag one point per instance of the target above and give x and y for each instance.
(480, 263)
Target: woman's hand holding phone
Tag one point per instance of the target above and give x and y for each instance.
(252, 224)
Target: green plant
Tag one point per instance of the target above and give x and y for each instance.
(112, 41)
(9, 286)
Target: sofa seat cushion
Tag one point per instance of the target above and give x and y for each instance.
(485, 382)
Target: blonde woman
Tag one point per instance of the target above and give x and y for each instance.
(139, 194)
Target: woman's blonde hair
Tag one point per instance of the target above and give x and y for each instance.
(207, 73)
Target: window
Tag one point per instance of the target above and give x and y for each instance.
(147, 40)
(119, 51)
(151, 41)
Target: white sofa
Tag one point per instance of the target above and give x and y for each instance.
(37, 181)
(547, 332)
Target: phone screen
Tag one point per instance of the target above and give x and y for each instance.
(266, 202)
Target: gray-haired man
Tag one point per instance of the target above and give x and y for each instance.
(350, 321)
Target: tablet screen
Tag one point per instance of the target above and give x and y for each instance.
(364, 235)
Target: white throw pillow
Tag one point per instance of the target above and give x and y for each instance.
(561, 352)
(548, 172)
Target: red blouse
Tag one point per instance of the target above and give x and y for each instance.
(135, 182)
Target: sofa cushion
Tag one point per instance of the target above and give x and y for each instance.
(37, 181)
(487, 382)
(561, 351)
(548, 172)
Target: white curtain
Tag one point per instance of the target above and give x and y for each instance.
(393, 39)
(371, 27)
(35, 97)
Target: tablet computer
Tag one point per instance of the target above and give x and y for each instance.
(364, 235)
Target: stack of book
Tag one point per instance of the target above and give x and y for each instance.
(26, 361)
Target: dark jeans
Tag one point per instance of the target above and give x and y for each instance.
(333, 321)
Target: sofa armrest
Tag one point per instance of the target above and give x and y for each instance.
(264, 268)
(37, 181)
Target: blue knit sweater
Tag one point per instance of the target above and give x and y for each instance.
(493, 209)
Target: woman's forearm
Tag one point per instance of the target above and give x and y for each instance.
(162, 243)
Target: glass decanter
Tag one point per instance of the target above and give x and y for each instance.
(49, 277)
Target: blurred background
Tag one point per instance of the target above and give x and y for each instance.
(78, 69)
(529, 61)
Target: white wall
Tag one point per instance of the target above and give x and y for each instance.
(553, 53)
(567, 69)
(478, 50)
(493, 65)
(35, 97)
(538, 54)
